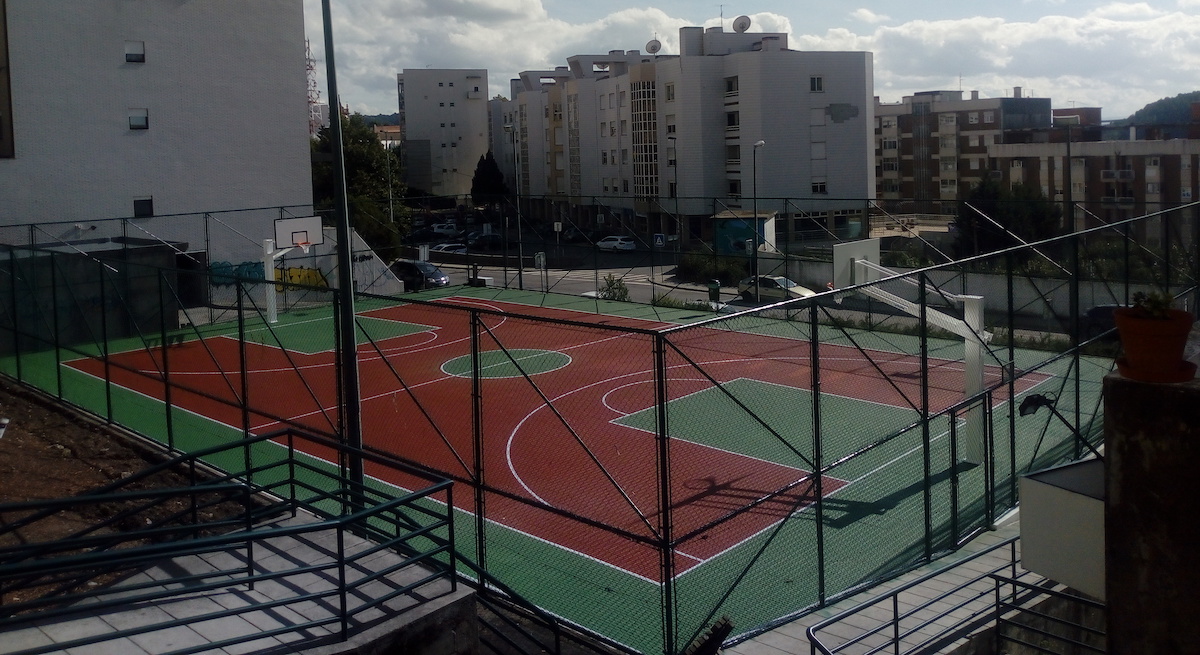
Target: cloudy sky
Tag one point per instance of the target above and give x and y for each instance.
(1115, 55)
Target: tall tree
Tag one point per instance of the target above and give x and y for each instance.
(488, 185)
(371, 172)
(1021, 211)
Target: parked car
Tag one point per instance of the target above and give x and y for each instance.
(772, 287)
(452, 248)
(616, 243)
(486, 242)
(1097, 321)
(446, 229)
(422, 235)
(417, 275)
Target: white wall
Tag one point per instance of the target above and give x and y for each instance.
(223, 81)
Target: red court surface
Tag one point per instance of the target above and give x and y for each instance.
(550, 438)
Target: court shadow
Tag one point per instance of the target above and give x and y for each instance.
(849, 511)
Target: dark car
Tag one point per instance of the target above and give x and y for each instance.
(486, 242)
(1099, 320)
(417, 275)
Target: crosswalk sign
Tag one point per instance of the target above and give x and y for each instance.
(660, 240)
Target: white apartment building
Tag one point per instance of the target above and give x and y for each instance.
(662, 143)
(444, 122)
(117, 108)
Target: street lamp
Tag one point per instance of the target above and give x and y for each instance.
(754, 185)
(512, 132)
(1068, 209)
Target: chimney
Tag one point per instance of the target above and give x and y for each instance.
(974, 95)
(1016, 92)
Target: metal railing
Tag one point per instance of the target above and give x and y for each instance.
(59, 577)
(1047, 620)
(898, 630)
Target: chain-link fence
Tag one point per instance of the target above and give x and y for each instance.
(613, 468)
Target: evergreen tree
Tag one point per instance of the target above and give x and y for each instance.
(1022, 211)
(487, 185)
(371, 170)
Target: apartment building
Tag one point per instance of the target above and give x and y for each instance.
(648, 143)
(1108, 180)
(444, 127)
(112, 108)
(933, 146)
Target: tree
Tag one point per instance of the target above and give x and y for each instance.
(1022, 211)
(371, 172)
(487, 185)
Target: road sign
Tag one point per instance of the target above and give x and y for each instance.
(558, 226)
(660, 240)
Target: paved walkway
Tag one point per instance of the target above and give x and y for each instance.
(278, 555)
(790, 639)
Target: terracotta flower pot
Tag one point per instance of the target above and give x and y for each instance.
(1154, 346)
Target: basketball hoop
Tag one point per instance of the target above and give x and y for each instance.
(304, 245)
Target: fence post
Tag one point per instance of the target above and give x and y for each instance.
(1012, 383)
(12, 310)
(166, 368)
(108, 404)
(245, 375)
(477, 443)
(54, 326)
(666, 552)
(925, 439)
(814, 349)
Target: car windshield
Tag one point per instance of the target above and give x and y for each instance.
(786, 283)
(427, 268)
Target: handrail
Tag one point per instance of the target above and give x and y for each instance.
(817, 646)
(417, 525)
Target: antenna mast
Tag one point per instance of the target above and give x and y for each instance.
(315, 122)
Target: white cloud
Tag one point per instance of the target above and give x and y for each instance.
(1120, 55)
(868, 16)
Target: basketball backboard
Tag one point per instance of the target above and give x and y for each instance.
(297, 231)
(845, 272)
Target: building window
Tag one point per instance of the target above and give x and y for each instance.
(135, 52)
(891, 186)
(946, 142)
(888, 121)
(1151, 162)
(732, 120)
(622, 97)
(453, 145)
(949, 185)
(975, 164)
(733, 153)
(670, 119)
(451, 84)
(989, 117)
(441, 104)
(441, 84)
(625, 186)
(890, 143)
(973, 118)
(624, 128)
(973, 141)
(816, 84)
(452, 104)
(1152, 187)
(818, 187)
(1017, 163)
(949, 165)
(817, 150)
(948, 119)
(816, 116)
(891, 164)
(612, 128)
(625, 155)
(603, 128)
(735, 188)
(443, 125)
(604, 158)
(670, 92)
(143, 207)
(139, 119)
(731, 85)
(672, 191)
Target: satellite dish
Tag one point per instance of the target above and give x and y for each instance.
(741, 24)
(653, 46)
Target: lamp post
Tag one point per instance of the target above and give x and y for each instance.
(1068, 209)
(512, 131)
(754, 186)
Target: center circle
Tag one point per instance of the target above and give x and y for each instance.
(508, 363)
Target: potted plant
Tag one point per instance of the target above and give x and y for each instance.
(1153, 336)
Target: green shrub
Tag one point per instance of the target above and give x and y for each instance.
(613, 288)
(701, 267)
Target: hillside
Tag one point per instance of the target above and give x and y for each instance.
(1175, 110)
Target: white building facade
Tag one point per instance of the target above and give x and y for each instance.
(661, 143)
(444, 119)
(117, 108)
